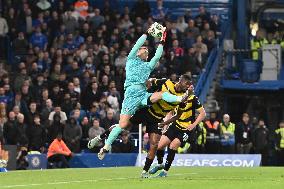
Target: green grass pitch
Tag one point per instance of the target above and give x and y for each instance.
(128, 178)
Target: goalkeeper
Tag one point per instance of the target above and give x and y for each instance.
(136, 96)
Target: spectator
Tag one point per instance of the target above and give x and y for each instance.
(97, 19)
(210, 41)
(22, 138)
(56, 126)
(58, 152)
(89, 65)
(192, 28)
(12, 22)
(70, 22)
(37, 135)
(190, 64)
(125, 23)
(39, 40)
(260, 141)
(46, 109)
(181, 24)
(96, 130)
(10, 130)
(72, 135)
(22, 160)
(109, 120)
(227, 135)
(4, 28)
(213, 134)
(85, 126)
(177, 49)
(141, 9)
(203, 14)
(3, 97)
(113, 99)
(243, 135)
(20, 45)
(200, 50)
(31, 113)
(120, 61)
(125, 145)
(280, 143)
(215, 25)
(57, 109)
(160, 12)
(257, 42)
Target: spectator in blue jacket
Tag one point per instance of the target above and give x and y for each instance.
(38, 39)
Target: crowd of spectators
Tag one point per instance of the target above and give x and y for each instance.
(67, 72)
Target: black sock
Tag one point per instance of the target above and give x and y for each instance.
(170, 158)
(148, 164)
(104, 135)
(160, 156)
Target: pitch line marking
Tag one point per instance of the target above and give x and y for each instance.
(81, 181)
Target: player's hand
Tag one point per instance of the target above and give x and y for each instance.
(190, 127)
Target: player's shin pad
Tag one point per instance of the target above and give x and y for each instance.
(113, 135)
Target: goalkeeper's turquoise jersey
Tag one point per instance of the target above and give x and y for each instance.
(138, 71)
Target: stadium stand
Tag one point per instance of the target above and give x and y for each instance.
(64, 61)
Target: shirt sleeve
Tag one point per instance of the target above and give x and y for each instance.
(136, 47)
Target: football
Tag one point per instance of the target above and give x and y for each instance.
(156, 30)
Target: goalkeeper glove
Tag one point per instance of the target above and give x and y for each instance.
(163, 38)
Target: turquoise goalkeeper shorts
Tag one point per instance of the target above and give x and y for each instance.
(135, 97)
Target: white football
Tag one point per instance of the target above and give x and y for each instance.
(156, 30)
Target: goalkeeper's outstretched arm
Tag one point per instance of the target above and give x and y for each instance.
(159, 51)
(137, 45)
(156, 58)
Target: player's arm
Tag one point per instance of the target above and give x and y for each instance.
(199, 118)
(201, 111)
(156, 58)
(137, 45)
(159, 51)
(171, 119)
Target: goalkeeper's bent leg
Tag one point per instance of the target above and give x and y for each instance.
(123, 123)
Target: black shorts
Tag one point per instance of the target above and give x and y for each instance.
(183, 135)
(146, 118)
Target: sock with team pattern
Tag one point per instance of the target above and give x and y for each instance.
(148, 164)
(160, 156)
(113, 134)
(170, 158)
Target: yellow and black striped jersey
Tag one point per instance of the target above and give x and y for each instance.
(187, 112)
(160, 109)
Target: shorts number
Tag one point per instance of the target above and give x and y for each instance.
(185, 137)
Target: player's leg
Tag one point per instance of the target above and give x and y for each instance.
(123, 123)
(163, 143)
(96, 141)
(154, 139)
(175, 144)
(168, 97)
